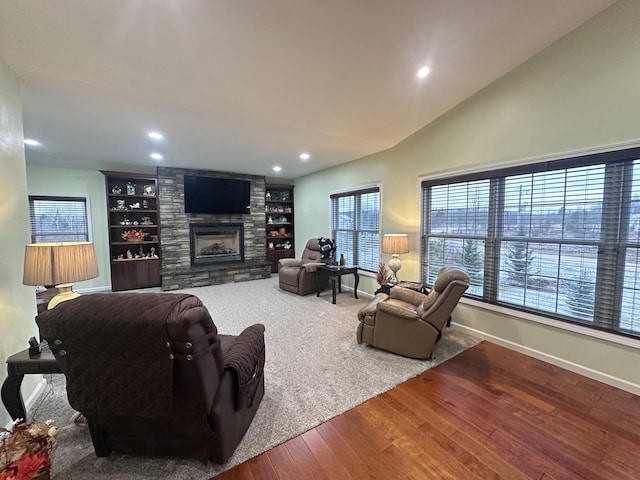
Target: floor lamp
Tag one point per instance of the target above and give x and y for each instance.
(395, 244)
(60, 264)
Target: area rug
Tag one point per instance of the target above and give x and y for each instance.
(314, 371)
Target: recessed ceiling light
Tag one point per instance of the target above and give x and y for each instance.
(156, 156)
(305, 156)
(31, 142)
(155, 135)
(277, 168)
(423, 72)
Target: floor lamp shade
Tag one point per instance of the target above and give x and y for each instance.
(60, 264)
(395, 244)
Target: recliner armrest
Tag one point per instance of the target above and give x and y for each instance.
(373, 306)
(289, 262)
(398, 308)
(407, 295)
(312, 267)
(246, 358)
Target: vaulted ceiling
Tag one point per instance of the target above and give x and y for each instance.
(245, 85)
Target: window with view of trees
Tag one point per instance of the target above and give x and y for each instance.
(58, 219)
(355, 226)
(559, 238)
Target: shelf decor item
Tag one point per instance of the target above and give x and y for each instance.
(116, 190)
(149, 190)
(25, 451)
(134, 235)
(131, 188)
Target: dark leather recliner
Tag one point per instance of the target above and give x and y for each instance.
(299, 275)
(151, 374)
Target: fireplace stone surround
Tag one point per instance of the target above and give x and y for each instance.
(176, 269)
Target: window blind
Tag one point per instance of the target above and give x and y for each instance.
(559, 239)
(355, 226)
(58, 219)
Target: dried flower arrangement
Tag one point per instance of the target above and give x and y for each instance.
(382, 277)
(25, 450)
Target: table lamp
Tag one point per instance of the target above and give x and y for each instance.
(60, 264)
(395, 244)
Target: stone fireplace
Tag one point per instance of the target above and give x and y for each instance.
(216, 243)
(205, 249)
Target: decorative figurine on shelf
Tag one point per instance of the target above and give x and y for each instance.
(129, 254)
(145, 204)
(270, 220)
(116, 190)
(268, 196)
(287, 245)
(121, 205)
(153, 253)
(120, 257)
(134, 205)
(131, 188)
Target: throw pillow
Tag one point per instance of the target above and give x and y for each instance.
(327, 247)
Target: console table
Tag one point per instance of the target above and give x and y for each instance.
(335, 272)
(19, 365)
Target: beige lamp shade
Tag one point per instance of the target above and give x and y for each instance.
(395, 243)
(60, 264)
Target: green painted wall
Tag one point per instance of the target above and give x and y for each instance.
(17, 301)
(79, 183)
(581, 93)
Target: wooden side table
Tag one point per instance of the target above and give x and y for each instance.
(19, 365)
(335, 272)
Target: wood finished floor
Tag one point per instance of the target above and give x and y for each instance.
(488, 413)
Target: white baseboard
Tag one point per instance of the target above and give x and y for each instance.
(560, 362)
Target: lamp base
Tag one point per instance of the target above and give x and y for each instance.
(394, 266)
(65, 293)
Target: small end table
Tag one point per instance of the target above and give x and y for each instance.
(336, 272)
(19, 365)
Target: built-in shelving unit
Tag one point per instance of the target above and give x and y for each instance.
(279, 216)
(132, 211)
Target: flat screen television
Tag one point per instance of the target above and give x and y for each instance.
(218, 196)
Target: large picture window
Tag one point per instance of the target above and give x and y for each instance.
(559, 238)
(355, 226)
(58, 219)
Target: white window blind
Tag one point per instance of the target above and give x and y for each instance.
(559, 239)
(355, 226)
(58, 219)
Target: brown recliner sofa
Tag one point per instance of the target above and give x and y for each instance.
(299, 275)
(151, 374)
(410, 323)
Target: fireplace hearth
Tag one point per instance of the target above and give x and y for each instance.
(216, 243)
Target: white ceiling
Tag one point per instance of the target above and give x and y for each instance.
(243, 85)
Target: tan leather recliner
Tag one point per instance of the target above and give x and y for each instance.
(409, 323)
(299, 275)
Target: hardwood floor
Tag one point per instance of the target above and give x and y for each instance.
(489, 413)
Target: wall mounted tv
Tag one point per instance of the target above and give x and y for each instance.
(218, 196)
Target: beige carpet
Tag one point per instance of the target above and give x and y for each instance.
(314, 371)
